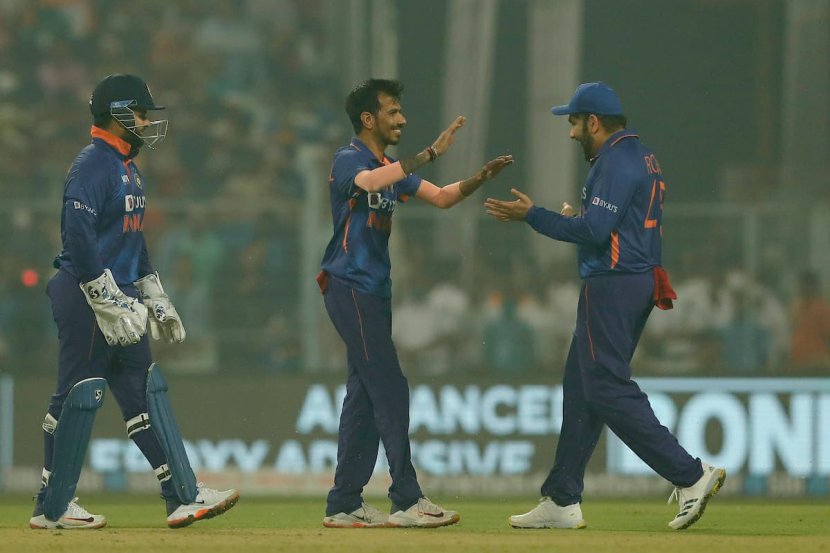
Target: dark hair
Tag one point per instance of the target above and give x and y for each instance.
(365, 98)
(610, 123)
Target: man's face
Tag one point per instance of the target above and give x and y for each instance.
(389, 121)
(580, 133)
(141, 121)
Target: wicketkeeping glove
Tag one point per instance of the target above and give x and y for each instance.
(122, 319)
(164, 320)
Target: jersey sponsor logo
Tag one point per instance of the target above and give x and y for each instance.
(596, 200)
(376, 201)
(138, 182)
(78, 205)
(132, 202)
(125, 179)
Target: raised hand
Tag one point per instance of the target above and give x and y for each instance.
(493, 167)
(505, 210)
(447, 137)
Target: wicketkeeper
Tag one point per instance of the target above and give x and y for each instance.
(103, 296)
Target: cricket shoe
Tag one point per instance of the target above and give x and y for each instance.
(75, 517)
(365, 516)
(547, 514)
(208, 504)
(423, 514)
(693, 499)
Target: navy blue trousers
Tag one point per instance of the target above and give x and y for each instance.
(376, 407)
(598, 390)
(84, 353)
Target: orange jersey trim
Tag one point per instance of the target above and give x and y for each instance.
(352, 203)
(651, 223)
(615, 248)
(119, 144)
(360, 322)
(588, 324)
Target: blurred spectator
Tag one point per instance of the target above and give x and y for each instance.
(810, 339)
(416, 329)
(251, 88)
(508, 343)
(745, 341)
(685, 339)
(562, 298)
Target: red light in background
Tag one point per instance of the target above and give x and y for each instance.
(29, 278)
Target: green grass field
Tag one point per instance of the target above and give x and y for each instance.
(136, 524)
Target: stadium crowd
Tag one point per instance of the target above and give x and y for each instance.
(248, 85)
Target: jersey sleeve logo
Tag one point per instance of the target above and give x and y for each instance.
(78, 205)
(597, 201)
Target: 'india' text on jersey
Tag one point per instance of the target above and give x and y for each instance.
(103, 213)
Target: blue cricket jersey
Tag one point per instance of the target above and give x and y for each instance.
(619, 227)
(103, 213)
(358, 252)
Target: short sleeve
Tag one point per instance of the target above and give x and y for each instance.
(87, 185)
(408, 186)
(347, 164)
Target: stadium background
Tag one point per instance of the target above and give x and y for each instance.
(731, 94)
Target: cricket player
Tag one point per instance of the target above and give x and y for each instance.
(618, 236)
(365, 187)
(103, 296)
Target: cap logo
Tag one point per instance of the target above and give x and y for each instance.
(120, 104)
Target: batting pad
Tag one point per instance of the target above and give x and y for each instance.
(166, 429)
(71, 439)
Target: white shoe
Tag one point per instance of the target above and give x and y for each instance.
(424, 514)
(208, 504)
(75, 517)
(693, 499)
(548, 514)
(365, 516)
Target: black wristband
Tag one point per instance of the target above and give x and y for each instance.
(433, 155)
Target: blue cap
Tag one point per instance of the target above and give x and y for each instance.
(597, 98)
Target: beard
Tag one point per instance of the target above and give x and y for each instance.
(586, 141)
(393, 138)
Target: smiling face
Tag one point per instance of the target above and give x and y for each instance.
(581, 133)
(387, 125)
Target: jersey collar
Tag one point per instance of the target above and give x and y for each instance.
(612, 141)
(118, 144)
(358, 145)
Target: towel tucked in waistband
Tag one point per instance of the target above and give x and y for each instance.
(663, 292)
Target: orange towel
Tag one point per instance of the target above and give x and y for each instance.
(663, 292)
(322, 279)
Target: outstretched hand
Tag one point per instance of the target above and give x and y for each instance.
(493, 167)
(447, 138)
(505, 210)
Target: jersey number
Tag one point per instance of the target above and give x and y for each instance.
(652, 223)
